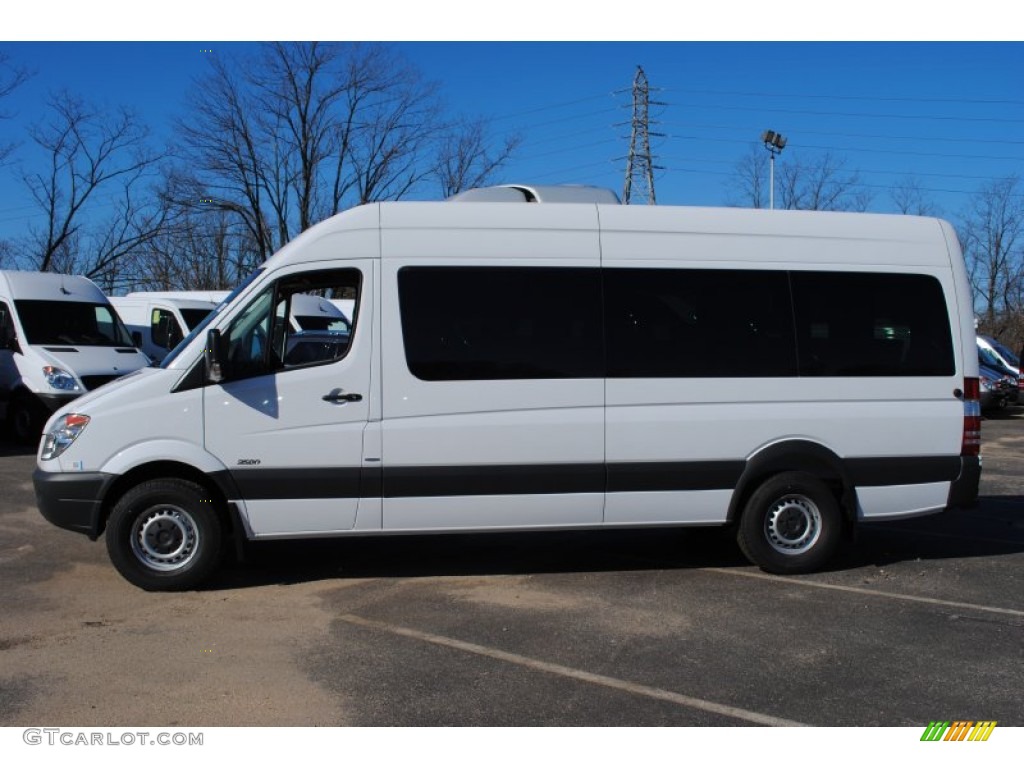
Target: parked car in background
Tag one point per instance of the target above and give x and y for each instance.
(995, 389)
(1001, 352)
(1009, 378)
(1006, 357)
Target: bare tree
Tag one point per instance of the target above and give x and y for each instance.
(11, 78)
(305, 130)
(992, 240)
(465, 159)
(909, 198)
(749, 184)
(301, 131)
(819, 185)
(198, 250)
(223, 145)
(91, 189)
(822, 185)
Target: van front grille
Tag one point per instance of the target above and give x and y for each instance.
(93, 382)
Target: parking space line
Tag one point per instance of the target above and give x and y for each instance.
(625, 686)
(871, 592)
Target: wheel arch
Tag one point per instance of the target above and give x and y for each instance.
(795, 455)
(166, 468)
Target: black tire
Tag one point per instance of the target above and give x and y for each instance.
(791, 524)
(25, 419)
(165, 535)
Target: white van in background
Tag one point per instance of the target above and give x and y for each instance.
(540, 366)
(59, 338)
(157, 323)
(216, 297)
(315, 313)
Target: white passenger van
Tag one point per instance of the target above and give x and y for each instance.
(315, 313)
(538, 366)
(59, 337)
(158, 323)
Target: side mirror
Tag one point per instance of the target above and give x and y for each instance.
(213, 357)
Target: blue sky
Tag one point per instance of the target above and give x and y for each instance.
(948, 114)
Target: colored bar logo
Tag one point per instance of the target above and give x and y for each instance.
(958, 730)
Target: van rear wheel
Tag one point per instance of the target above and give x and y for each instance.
(165, 535)
(791, 524)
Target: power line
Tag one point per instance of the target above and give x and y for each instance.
(875, 150)
(548, 107)
(840, 97)
(857, 170)
(845, 135)
(887, 116)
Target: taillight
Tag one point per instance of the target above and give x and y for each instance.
(971, 445)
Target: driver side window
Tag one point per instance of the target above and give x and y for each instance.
(245, 340)
(269, 336)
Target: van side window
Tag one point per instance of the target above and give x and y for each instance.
(164, 329)
(689, 323)
(264, 338)
(868, 324)
(480, 323)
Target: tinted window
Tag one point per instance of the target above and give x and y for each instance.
(164, 329)
(260, 340)
(681, 323)
(860, 324)
(465, 323)
(194, 317)
(71, 322)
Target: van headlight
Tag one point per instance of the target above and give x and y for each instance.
(64, 433)
(60, 379)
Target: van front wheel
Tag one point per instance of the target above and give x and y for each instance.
(165, 535)
(791, 524)
(26, 418)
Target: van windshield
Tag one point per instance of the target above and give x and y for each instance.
(1005, 352)
(201, 327)
(71, 322)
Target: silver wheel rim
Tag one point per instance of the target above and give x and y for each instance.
(793, 525)
(165, 538)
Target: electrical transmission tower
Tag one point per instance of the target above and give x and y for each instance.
(640, 165)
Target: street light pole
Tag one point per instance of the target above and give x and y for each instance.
(774, 143)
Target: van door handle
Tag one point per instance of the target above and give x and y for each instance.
(342, 397)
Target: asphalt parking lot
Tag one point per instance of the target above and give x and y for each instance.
(919, 620)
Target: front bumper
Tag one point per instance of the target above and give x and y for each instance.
(72, 500)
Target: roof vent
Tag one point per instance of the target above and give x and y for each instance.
(520, 193)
